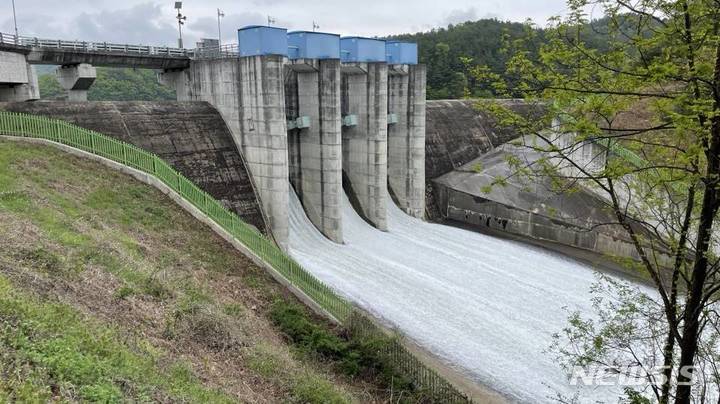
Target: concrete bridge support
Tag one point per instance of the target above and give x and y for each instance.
(249, 93)
(76, 80)
(312, 90)
(18, 81)
(364, 138)
(406, 137)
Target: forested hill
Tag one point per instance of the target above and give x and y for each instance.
(112, 84)
(479, 43)
(441, 50)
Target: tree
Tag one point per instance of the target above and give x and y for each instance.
(650, 101)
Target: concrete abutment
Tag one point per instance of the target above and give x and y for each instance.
(18, 80)
(249, 94)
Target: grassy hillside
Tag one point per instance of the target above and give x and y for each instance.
(109, 292)
(113, 84)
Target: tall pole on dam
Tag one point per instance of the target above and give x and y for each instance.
(15, 20)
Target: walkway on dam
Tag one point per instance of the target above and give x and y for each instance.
(489, 306)
(64, 52)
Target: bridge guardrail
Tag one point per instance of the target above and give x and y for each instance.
(85, 46)
(222, 51)
(354, 320)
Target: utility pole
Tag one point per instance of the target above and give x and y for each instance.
(181, 21)
(15, 20)
(271, 21)
(220, 15)
(315, 26)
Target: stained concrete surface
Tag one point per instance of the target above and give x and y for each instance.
(456, 133)
(530, 206)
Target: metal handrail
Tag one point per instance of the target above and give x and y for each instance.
(222, 51)
(85, 46)
(215, 52)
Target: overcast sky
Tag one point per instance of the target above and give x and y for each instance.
(152, 22)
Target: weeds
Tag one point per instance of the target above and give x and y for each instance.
(52, 350)
(353, 356)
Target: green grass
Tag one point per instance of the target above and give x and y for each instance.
(50, 349)
(72, 222)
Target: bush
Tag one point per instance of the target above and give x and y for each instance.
(353, 355)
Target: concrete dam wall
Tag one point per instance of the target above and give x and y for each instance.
(457, 133)
(191, 136)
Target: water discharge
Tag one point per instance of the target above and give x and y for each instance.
(487, 306)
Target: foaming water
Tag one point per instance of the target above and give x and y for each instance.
(487, 306)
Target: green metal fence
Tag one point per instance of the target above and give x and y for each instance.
(404, 362)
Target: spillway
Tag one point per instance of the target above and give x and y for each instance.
(486, 306)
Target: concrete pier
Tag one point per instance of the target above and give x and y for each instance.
(406, 137)
(364, 142)
(312, 90)
(18, 80)
(263, 128)
(76, 80)
(249, 93)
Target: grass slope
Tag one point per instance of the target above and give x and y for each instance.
(110, 292)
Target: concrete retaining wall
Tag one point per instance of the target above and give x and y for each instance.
(456, 133)
(487, 214)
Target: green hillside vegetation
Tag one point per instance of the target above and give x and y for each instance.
(110, 292)
(114, 84)
(451, 53)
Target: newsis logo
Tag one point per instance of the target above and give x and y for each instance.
(625, 375)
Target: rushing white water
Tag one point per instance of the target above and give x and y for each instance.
(488, 306)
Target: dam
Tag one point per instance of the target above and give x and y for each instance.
(328, 146)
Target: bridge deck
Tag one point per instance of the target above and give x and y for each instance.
(61, 52)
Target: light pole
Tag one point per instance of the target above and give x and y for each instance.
(271, 21)
(220, 15)
(15, 20)
(181, 20)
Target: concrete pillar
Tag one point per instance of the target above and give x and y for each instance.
(406, 137)
(249, 94)
(178, 80)
(263, 128)
(313, 91)
(76, 80)
(18, 80)
(364, 142)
